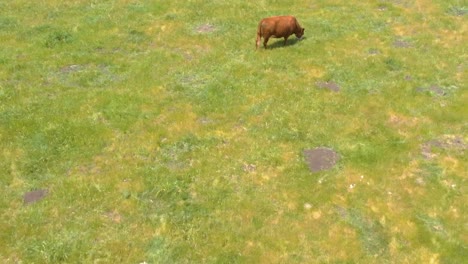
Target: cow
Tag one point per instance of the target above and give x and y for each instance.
(278, 27)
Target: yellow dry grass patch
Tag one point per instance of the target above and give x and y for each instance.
(409, 171)
(404, 30)
(452, 165)
(316, 72)
(178, 120)
(426, 7)
(342, 243)
(405, 125)
(451, 38)
(14, 155)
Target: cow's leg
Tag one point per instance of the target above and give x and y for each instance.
(285, 39)
(265, 41)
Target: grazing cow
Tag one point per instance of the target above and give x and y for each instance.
(278, 27)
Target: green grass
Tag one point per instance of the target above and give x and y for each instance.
(163, 136)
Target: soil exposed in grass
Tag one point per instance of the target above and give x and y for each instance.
(454, 143)
(205, 28)
(433, 89)
(330, 85)
(320, 159)
(402, 44)
(35, 196)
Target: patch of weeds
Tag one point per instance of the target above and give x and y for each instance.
(284, 133)
(57, 248)
(433, 90)
(433, 225)
(393, 64)
(191, 81)
(183, 146)
(50, 150)
(382, 6)
(431, 172)
(438, 90)
(230, 257)
(7, 24)
(434, 234)
(57, 38)
(457, 10)
(260, 107)
(85, 76)
(121, 111)
(137, 7)
(5, 95)
(3, 61)
(159, 251)
(366, 153)
(379, 26)
(137, 37)
(374, 51)
(371, 233)
(176, 156)
(147, 10)
(171, 16)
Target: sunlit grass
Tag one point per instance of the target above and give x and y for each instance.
(162, 136)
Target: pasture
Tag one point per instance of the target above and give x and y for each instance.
(154, 132)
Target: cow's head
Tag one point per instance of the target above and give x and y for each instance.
(299, 33)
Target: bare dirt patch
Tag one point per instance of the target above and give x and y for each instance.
(433, 89)
(84, 76)
(320, 159)
(72, 68)
(113, 216)
(447, 142)
(330, 85)
(402, 44)
(34, 196)
(249, 168)
(205, 28)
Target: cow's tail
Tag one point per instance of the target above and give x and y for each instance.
(259, 35)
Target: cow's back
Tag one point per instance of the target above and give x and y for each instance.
(279, 26)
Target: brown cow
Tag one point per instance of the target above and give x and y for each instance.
(278, 27)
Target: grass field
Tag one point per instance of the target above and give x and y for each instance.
(154, 132)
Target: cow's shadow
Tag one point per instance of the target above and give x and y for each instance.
(279, 43)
